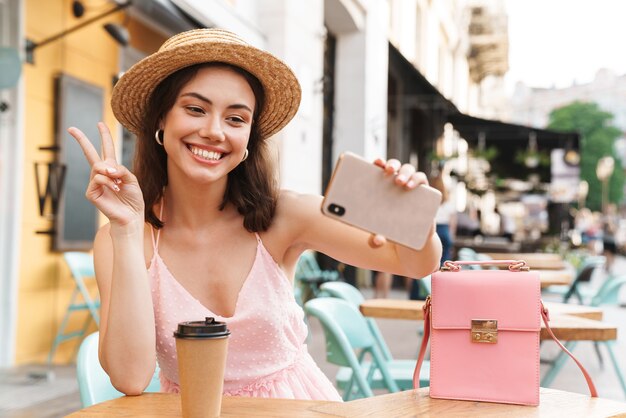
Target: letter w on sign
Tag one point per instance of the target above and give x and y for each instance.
(49, 185)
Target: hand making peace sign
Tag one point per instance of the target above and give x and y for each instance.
(112, 188)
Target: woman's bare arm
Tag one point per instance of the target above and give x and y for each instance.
(301, 225)
(127, 335)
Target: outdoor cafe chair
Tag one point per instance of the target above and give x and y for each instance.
(94, 384)
(577, 288)
(81, 269)
(607, 295)
(347, 334)
(469, 254)
(400, 369)
(309, 276)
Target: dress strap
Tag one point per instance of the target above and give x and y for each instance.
(155, 241)
(258, 238)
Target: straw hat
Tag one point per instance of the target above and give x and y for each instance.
(282, 90)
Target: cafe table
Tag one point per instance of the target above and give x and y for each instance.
(555, 277)
(411, 403)
(567, 322)
(412, 309)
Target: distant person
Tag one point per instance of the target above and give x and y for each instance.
(609, 251)
(382, 284)
(610, 229)
(445, 219)
(468, 222)
(507, 225)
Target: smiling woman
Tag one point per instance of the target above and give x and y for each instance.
(205, 216)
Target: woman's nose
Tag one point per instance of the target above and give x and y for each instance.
(213, 129)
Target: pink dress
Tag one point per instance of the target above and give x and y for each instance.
(267, 356)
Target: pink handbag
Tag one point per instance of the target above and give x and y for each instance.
(484, 328)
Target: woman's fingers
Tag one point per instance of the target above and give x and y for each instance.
(376, 241)
(85, 144)
(108, 147)
(418, 178)
(119, 175)
(390, 166)
(406, 174)
(106, 181)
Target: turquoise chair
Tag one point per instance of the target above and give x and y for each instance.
(401, 370)
(346, 331)
(426, 284)
(467, 254)
(607, 295)
(94, 384)
(81, 269)
(309, 276)
(577, 288)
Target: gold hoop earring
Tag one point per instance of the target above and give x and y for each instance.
(158, 137)
(245, 156)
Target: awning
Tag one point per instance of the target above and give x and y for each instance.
(513, 142)
(420, 93)
(510, 140)
(417, 91)
(493, 132)
(165, 14)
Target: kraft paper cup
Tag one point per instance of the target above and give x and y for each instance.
(201, 348)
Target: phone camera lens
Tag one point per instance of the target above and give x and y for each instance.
(336, 209)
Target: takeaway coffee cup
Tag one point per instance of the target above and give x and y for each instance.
(201, 349)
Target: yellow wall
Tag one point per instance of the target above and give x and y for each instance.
(91, 55)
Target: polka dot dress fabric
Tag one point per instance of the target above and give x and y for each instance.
(267, 356)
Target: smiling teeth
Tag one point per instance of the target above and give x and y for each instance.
(206, 155)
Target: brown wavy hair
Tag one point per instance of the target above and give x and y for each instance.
(252, 186)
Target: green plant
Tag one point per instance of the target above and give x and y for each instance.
(489, 153)
(532, 158)
(433, 156)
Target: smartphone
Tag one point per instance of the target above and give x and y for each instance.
(362, 195)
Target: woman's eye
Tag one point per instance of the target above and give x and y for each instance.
(236, 119)
(195, 109)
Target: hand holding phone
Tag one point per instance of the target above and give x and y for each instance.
(362, 195)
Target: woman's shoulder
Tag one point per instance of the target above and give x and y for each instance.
(294, 211)
(294, 204)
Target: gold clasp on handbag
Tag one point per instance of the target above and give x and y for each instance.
(484, 331)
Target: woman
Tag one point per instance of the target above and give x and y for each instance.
(202, 230)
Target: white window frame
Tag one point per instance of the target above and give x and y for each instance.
(11, 180)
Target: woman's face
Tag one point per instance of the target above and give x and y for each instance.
(206, 132)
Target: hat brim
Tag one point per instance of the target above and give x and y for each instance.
(132, 92)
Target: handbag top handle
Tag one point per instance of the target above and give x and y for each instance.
(514, 265)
